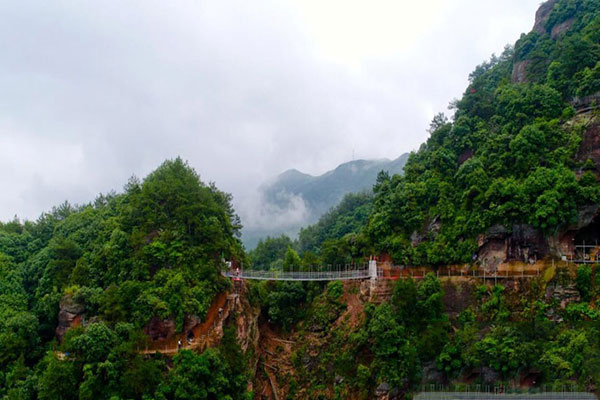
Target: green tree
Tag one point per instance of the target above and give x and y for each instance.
(291, 261)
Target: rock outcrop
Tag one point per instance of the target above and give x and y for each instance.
(70, 315)
(226, 309)
(246, 318)
(160, 329)
(589, 148)
(521, 243)
(519, 72)
(562, 28)
(542, 15)
(430, 231)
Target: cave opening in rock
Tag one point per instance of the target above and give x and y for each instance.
(587, 241)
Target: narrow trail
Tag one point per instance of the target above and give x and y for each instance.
(202, 332)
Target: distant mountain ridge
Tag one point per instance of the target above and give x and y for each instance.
(297, 199)
(322, 192)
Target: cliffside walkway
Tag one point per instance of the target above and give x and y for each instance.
(505, 396)
(374, 271)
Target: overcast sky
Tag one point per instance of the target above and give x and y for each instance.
(92, 92)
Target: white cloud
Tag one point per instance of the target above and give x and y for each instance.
(93, 92)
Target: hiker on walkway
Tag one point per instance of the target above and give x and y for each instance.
(179, 344)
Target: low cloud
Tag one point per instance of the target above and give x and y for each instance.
(93, 92)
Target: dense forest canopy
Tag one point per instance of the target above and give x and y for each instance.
(154, 250)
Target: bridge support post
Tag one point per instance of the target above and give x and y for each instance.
(373, 270)
(372, 279)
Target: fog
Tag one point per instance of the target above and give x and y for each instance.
(94, 92)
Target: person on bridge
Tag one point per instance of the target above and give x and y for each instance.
(179, 344)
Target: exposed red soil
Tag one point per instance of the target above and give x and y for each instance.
(201, 332)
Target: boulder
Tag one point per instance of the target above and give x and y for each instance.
(382, 390)
(432, 375)
(489, 376)
(70, 314)
(563, 295)
(160, 329)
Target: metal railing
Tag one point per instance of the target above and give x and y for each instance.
(507, 396)
(335, 275)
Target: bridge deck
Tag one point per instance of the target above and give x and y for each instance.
(339, 275)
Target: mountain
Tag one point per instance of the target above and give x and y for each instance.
(514, 176)
(295, 199)
(123, 298)
(322, 192)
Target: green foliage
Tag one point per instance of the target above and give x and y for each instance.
(335, 290)
(348, 217)
(154, 250)
(493, 306)
(574, 353)
(450, 361)
(502, 351)
(326, 307)
(270, 252)
(59, 380)
(18, 326)
(283, 303)
(507, 157)
(418, 305)
(395, 357)
(291, 260)
(203, 376)
(584, 282)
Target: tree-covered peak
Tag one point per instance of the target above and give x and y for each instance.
(509, 155)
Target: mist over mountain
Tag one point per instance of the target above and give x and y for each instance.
(294, 199)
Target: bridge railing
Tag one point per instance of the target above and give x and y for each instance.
(300, 275)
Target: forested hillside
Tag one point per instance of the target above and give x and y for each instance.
(154, 251)
(512, 154)
(90, 295)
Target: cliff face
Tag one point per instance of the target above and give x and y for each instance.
(227, 309)
(233, 308)
(519, 72)
(520, 67)
(522, 242)
(542, 15)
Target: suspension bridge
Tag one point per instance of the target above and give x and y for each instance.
(340, 273)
